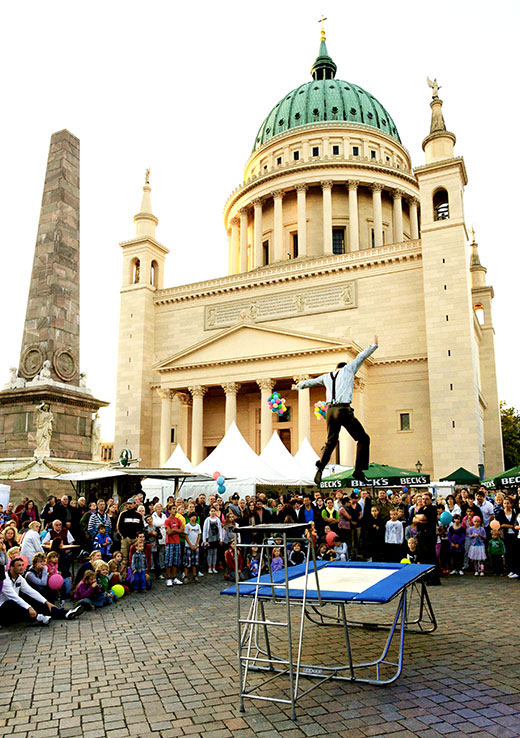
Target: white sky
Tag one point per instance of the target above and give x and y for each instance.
(183, 90)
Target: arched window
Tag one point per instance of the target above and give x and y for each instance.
(479, 312)
(136, 271)
(154, 273)
(441, 207)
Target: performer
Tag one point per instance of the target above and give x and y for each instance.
(339, 385)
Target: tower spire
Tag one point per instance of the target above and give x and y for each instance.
(438, 145)
(323, 67)
(145, 221)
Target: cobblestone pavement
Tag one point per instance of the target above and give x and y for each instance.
(164, 665)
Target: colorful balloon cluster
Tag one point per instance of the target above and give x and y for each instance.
(219, 479)
(320, 409)
(277, 404)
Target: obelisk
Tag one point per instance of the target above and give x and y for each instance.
(47, 413)
(51, 331)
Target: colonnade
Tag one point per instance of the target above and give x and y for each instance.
(194, 398)
(238, 234)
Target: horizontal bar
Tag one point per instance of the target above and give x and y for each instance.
(261, 622)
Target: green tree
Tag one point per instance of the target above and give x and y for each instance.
(510, 435)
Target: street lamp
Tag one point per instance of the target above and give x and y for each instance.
(418, 466)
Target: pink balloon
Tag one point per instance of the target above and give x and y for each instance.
(25, 561)
(494, 525)
(216, 475)
(55, 581)
(330, 538)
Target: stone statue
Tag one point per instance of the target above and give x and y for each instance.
(15, 382)
(435, 86)
(95, 438)
(147, 177)
(45, 372)
(83, 379)
(44, 421)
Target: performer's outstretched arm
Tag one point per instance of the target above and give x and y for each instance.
(316, 382)
(360, 358)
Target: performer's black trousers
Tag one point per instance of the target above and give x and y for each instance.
(339, 416)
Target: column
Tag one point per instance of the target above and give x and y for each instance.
(184, 399)
(166, 396)
(266, 416)
(378, 214)
(278, 225)
(414, 219)
(301, 190)
(258, 254)
(243, 240)
(197, 394)
(326, 188)
(304, 411)
(353, 215)
(398, 216)
(230, 390)
(234, 263)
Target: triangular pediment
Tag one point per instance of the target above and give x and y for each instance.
(248, 342)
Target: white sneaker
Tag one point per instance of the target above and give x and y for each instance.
(177, 581)
(513, 575)
(476, 573)
(43, 619)
(461, 573)
(200, 574)
(453, 572)
(481, 573)
(210, 571)
(169, 582)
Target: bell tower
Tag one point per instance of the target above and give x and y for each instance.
(456, 398)
(143, 275)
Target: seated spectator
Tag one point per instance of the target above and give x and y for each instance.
(88, 593)
(340, 550)
(87, 566)
(102, 572)
(58, 530)
(296, 555)
(38, 575)
(10, 537)
(3, 552)
(30, 541)
(19, 602)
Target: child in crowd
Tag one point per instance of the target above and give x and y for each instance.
(253, 561)
(457, 539)
(496, 551)
(296, 555)
(139, 568)
(103, 542)
(87, 566)
(192, 533)
(277, 560)
(101, 572)
(114, 575)
(173, 527)
(411, 530)
(89, 593)
(212, 536)
(38, 575)
(340, 550)
(411, 553)
(229, 558)
(477, 549)
(394, 537)
(53, 567)
(375, 535)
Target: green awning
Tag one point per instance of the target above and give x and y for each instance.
(461, 476)
(509, 478)
(378, 475)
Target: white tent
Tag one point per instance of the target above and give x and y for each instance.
(306, 458)
(278, 457)
(234, 458)
(161, 488)
(178, 460)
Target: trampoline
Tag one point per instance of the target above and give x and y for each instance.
(325, 593)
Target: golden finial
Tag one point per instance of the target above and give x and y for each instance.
(472, 231)
(322, 20)
(147, 177)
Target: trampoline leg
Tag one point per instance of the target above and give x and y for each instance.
(347, 639)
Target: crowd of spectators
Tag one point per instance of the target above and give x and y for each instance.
(94, 553)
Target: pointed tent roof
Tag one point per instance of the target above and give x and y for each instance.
(307, 457)
(234, 458)
(508, 478)
(278, 456)
(178, 460)
(461, 476)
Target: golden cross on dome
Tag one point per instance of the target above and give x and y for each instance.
(147, 177)
(322, 20)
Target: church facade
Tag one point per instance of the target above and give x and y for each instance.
(333, 237)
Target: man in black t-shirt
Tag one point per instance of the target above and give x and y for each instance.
(426, 517)
(129, 524)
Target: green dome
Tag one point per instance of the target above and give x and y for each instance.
(325, 99)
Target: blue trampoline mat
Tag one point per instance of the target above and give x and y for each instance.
(339, 581)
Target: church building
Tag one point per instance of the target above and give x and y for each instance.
(333, 237)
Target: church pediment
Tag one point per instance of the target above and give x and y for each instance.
(249, 342)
